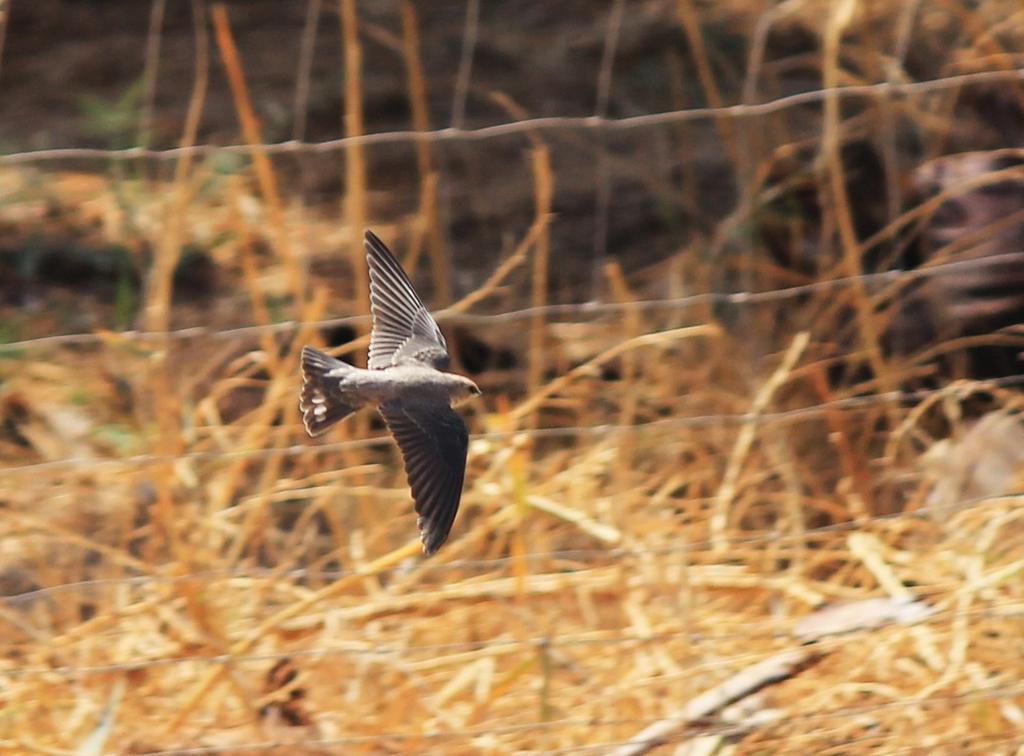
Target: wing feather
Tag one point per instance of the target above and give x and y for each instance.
(322, 400)
(403, 330)
(434, 441)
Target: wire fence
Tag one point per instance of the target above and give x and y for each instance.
(581, 309)
(1012, 610)
(529, 125)
(569, 560)
(996, 692)
(812, 412)
(579, 557)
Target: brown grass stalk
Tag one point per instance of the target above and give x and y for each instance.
(690, 21)
(244, 645)
(355, 161)
(300, 106)
(156, 314)
(149, 72)
(251, 131)
(861, 500)
(727, 490)
(633, 328)
(536, 400)
(544, 184)
(839, 19)
(543, 191)
(424, 154)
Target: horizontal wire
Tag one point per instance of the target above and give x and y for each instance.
(469, 564)
(988, 694)
(686, 731)
(577, 554)
(528, 125)
(999, 610)
(697, 421)
(579, 308)
(815, 411)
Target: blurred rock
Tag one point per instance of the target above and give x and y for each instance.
(860, 615)
(987, 460)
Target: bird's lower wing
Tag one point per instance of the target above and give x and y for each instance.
(434, 441)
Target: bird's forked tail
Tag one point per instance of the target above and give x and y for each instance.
(322, 401)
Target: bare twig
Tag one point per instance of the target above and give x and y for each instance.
(5, 17)
(251, 129)
(604, 87)
(462, 78)
(771, 670)
(727, 490)
(149, 75)
(304, 68)
(355, 162)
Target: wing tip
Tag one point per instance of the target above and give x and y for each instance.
(431, 537)
(373, 243)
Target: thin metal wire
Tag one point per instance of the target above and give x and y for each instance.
(993, 693)
(561, 555)
(999, 610)
(393, 651)
(698, 421)
(687, 732)
(589, 309)
(594, 122)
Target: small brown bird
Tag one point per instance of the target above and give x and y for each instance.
(407, 381)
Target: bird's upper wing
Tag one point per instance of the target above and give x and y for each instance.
(403, 331)
(433, 440)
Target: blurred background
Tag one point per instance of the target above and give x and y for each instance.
(742, 283)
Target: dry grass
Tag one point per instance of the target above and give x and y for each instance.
(649, 511)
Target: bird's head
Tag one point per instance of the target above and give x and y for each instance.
(465, 390)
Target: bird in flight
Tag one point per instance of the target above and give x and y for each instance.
(408, 382)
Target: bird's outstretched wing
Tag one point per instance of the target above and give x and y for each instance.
(433, 440)
(403, 331)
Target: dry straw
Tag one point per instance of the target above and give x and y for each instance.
(649, 526)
